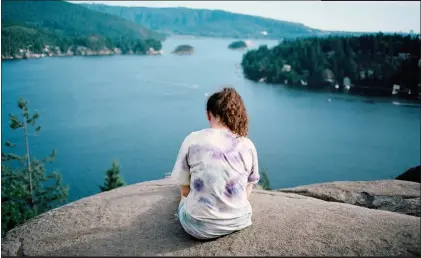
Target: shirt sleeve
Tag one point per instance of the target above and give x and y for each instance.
(181, 170)
(254, 175)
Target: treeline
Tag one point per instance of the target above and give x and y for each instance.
(18, 38)
(27, 188)
(375, 60)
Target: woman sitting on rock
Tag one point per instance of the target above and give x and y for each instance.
(216, 169)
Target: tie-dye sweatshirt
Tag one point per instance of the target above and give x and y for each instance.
(217, 165)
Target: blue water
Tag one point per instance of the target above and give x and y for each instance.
(138, 109)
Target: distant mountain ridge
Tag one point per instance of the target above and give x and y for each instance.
(209, 23)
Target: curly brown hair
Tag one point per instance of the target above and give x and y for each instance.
(228, 106)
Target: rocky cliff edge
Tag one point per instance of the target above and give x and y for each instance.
(140, 220)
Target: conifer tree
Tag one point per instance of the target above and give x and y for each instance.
(113, 179)
(264, 180)
(27, 190)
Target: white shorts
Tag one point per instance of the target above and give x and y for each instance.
(202, 229)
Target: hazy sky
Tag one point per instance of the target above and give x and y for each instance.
(347, 16)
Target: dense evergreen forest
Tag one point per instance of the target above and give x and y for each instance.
(369, 64)
(62, 28)
(17, 40)
(72, 19)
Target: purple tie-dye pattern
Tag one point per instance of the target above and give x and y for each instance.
(222, 208)
(198, 184)
(184, 164)
(205, 201)
(210, 177)
(253, 177)
(230, 154)
(195, 149)
(217, 154)
(233, 188)
(235, 158)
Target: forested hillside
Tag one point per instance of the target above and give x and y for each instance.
(71, 19)
(211, 23)
(31, 26)
(375, 62)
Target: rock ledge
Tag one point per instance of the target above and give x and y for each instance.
(391, 195)
(140, 220)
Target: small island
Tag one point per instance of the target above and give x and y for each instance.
(184, 50)
(240, 44)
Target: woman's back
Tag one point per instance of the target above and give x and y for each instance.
(220, 164)
(216, 169)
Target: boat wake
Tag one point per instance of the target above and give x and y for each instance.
(405, 104)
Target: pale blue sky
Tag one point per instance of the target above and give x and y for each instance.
(347, 16)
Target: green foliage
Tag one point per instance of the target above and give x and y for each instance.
(264, 181)
(237, 45)
(73, 20)
(17, 38)
(155, 44)
(113, 179)
(33, 25)
(210, 23)
(26, 189)
(385, 60)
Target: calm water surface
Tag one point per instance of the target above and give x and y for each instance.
(138, 109)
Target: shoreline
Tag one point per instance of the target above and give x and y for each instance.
(413, 102)
(77, 50)
(335, 94)
(93, 55)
